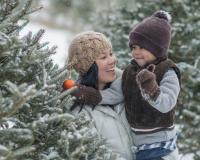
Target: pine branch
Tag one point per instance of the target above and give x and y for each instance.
(15, 105)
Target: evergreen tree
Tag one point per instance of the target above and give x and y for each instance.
(184, 50)
(35, 122)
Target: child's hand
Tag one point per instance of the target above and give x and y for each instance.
(87, 95)
(146, 81)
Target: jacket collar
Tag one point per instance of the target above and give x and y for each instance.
(109, 110)
(137, 67)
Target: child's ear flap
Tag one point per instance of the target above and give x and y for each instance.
(151, 67)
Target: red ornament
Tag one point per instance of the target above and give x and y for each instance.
(68, 83)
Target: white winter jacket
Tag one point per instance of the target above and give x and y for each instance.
(112, 125)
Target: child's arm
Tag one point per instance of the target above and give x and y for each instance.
(113, 94)
(163, 97)
(169, 91)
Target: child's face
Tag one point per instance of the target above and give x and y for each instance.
(142, 56)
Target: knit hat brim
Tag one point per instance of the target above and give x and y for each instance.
(144, 42)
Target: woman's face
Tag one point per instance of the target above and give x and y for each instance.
(106, 65)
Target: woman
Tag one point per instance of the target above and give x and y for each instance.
(90, 54)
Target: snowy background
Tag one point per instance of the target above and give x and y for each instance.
(55, 37)
(59, 30)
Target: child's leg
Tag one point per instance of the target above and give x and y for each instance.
(172, 156)
(152, 154)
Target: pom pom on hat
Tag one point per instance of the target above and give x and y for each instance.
(163, 15)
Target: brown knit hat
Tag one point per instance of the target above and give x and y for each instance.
(153, 34)
(85, 48)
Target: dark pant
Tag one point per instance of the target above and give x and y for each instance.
(152, 154)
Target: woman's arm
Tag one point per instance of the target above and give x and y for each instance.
(113, 95)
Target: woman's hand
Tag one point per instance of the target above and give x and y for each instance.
(87, 95)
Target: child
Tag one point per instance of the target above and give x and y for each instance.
(150, 86)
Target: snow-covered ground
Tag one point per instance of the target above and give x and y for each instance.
(187, 157)
(60, 38)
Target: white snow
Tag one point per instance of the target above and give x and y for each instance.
(187, 157)
(60, 38)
